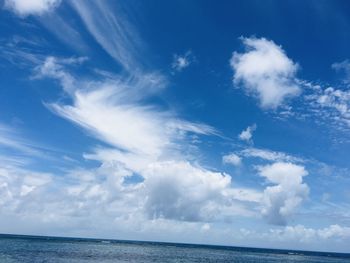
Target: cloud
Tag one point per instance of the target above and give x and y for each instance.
(266, 72)
(232, 158)
(113, 110)
(343, 67)
(178, 190)
(281, 200)
(329, 238)
(16, 146)
(247, 134)
(112, 32)
(269, 155)
(180, 62)
(330, 104)
(66, 199)
(31, 7)
(17, 185)
(307, 235)
(53, 67)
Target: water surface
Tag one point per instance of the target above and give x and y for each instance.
(53, 249)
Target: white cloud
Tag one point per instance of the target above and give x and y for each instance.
(232, 158)
(247, 134)
(265, 71)
(330, 104)
(31, 7)
(113, 110)
(334, 231)
(269, 155)
(53, 67)
(178, 190)
(304, 238)
(12, 140)
(180, 62)
(205, 227)
(281, 200)
(112, 32)
(307, 235)
(344, 67)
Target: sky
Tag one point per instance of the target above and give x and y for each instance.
(181, 121)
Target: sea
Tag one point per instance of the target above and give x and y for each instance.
(15, 248)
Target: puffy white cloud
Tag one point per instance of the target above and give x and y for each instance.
(178, 190)
(282, 199)
(265, 71)
(247, 134)
(180, 62)
(31, 7)
(232, 158)
(334, 231)
(20, 187)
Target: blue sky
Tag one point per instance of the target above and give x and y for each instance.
(183, 121)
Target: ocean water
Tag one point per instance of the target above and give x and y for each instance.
(53, 249)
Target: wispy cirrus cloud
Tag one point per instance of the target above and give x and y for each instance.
(269, 155)
(109, 110)
(11, 139)
(113, 33)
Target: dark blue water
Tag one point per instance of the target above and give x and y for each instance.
(53, 249)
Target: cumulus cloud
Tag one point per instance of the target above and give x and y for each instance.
(282, 199)
(178, 190)
(247, 134)
(232, 158)
(180, 62)
(31, 7)
(67, 199)
(265, 71)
